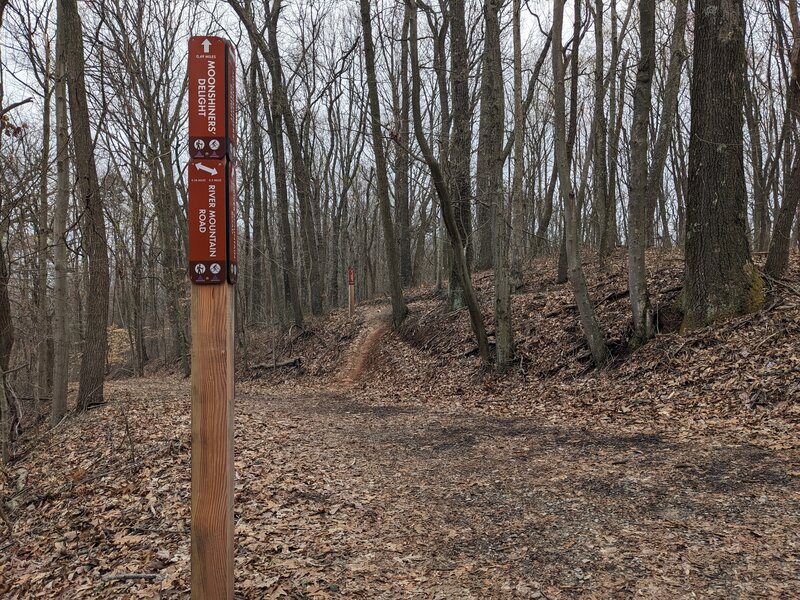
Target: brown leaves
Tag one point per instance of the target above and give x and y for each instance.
(672, 472)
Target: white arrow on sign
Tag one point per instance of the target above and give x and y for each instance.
(206, 46)
(209, 170)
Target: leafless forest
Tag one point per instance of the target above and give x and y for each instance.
(554, 200)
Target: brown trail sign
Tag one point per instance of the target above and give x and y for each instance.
(212, 260)
(212, 98)
(208, 221)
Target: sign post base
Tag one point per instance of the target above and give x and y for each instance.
(212, 442)
(351, 299)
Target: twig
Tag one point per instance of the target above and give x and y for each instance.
(15, 369)
(14, 105)
(292, 362)
(781, 283)
(768, 338)
(126, 576)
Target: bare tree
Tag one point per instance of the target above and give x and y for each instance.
(442, 191)
(460, 155)
(490, 176)
(399, 309)
(637, 221)
(60, 305)
(95, 347)
(591, 328)
(778, 257)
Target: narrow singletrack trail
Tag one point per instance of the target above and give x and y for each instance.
(377, 323)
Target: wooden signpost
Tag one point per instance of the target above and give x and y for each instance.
(351, 291)
(213, 270)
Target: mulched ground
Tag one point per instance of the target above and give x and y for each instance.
(400, 470)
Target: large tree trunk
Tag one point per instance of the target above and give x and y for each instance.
(591, 328)
(399, 309)
(638, 213)
(93, 361)
(720, 279)
(489, 178)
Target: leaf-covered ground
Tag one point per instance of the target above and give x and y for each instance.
(390, 466)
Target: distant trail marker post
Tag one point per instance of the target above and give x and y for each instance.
(351, 291)
(213, 270)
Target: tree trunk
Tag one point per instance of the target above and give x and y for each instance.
(600, 170)
(60, 299)
(720, 279)
(591, 328)
(778, 257)
(6, 344)
(490, 176)
(42, 317)
(638, 213)
(401, 167)
(442, 191)
(399, 309)
(541, 241)
(562, 276)
(461, 147)
(93, 360)
(517, 198)
(258, 284)
(666, 127)
(489, 180)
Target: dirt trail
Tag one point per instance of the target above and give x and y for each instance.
(415, 501)
(344, 492)
(377, 323)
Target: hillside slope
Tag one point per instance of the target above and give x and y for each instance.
(743, 372)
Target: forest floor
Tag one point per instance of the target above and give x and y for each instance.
(391, 466)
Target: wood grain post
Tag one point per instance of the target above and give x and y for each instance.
(351, 291)
(212, 442)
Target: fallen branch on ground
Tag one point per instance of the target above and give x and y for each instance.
(292, 362)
